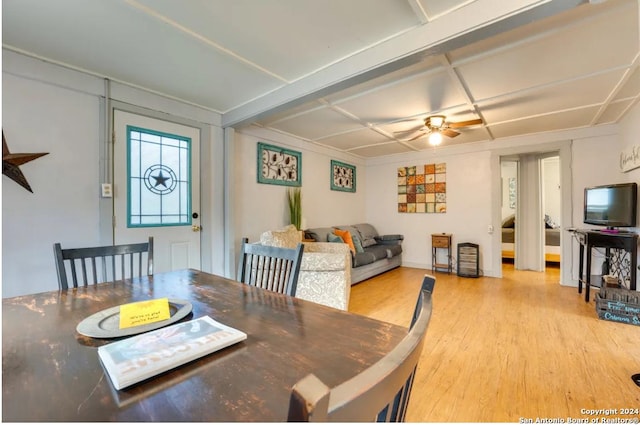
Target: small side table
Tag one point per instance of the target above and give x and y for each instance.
(441, 241)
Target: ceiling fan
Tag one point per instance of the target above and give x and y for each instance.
(435, 127)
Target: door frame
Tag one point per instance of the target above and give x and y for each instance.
(107, 205)
(563, 148)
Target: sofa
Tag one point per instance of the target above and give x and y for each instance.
(371, 253)
(325, 270)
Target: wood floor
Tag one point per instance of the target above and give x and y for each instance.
(509, 350)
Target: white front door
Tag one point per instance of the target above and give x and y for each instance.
(157, 188)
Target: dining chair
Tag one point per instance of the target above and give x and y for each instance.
(381, 392)
(270, 267)
(102, 263)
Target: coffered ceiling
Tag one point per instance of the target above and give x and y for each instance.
(355, 75)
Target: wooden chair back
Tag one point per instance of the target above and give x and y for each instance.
(270, 267)
(102, 264)
(378, 394)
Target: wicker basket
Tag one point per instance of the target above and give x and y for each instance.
(619, 305)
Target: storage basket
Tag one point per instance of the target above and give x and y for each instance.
(618, 305)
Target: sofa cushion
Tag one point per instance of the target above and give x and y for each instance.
(363, 258)
(319, 234)
(346, 237)
(289, 237)
(379, 252)
(368, 234)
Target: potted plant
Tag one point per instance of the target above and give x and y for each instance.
(294, 198)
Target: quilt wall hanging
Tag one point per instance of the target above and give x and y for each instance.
(422, 188)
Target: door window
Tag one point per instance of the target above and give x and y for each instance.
(158, 178)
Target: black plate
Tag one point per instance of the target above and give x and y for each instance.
(106, 323)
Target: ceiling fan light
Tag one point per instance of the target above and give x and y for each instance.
(435, 138)
(436, 121)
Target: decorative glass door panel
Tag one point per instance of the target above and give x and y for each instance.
(157, 188)
(158, 178)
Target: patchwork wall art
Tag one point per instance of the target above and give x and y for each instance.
(343, 176)
(422, 188)
(278, 165)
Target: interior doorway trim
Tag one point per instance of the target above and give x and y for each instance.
(206, 212)
(563, 150)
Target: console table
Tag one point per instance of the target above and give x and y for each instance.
(625, 241)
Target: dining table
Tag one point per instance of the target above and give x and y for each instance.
(51, 372)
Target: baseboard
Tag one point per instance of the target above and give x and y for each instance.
(416, 265)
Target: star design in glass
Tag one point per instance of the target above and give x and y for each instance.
(160, 179)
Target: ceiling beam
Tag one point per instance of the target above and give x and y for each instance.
(476, 21)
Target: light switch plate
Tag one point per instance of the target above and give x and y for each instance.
(106, 190)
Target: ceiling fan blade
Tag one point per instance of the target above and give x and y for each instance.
(449, 133)
(464, 123)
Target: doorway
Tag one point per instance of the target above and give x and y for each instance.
(157, 188)
(531, 211)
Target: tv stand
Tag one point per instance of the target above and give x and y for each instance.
(626, 242)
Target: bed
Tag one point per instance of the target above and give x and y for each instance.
(551, 235)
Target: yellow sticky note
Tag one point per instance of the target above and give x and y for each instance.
(143, 312)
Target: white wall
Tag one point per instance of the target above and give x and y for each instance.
(38, 117)
(468, 204)
(471, 198)
(630, 137)
(48, 108)
(551, 188)
(261, 207)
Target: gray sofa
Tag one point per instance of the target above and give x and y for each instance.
(374, 253)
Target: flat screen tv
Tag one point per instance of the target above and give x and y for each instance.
(612, 205)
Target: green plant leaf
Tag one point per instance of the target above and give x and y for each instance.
(294, 198)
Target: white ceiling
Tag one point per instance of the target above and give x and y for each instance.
(353, 75)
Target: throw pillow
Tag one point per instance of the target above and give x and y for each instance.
(334, 238)
(357, 243)
(346, 237)
(289, 237)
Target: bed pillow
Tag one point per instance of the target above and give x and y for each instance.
(549, 223)
(509, 222)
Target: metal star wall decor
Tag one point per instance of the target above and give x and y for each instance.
(11, 163)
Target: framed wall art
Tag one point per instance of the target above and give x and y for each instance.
(512, 193)
(278, 165)
(343, 176)
(422, 188)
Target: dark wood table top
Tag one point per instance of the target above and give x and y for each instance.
(52, 373)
